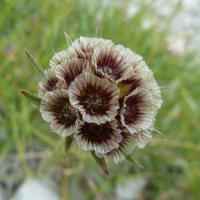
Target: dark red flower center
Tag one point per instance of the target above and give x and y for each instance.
(93, 101)
(97, 133)
(107, 70)
(68, 113)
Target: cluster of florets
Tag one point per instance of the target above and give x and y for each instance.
(102, 95)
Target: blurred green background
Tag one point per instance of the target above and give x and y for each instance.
(28, 148)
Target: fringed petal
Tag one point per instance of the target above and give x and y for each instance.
(70, 69)
(84, 47)
(143, 137)
(56, 109)
(101, 138)
(114, 61)
(137, 110)
(126, 146)
(95, 98)
(48, 83)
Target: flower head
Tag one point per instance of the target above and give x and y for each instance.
(101, 95)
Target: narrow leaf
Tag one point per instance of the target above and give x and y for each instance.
(132, 160)
(39, 68)
(32, 98)
(68, 39)
(100, 162)
(67, 145)
(98, 31)
(158, 134)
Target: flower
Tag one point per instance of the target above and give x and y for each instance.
(126, 146)
(70, 69)
(102, 96)
(56, 109)
(85, 47)
(101, 138)
(94, 97)
(114, 60)
(137, 110)
(48, 83)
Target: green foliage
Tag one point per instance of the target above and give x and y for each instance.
(171, 167)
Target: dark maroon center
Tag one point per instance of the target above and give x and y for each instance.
(68, 113)
(131, 111)
(96, 133)
(94, 101)
(51, 84)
